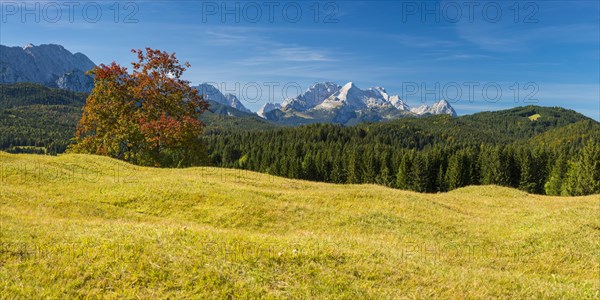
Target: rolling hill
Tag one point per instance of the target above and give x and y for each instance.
(87, 226)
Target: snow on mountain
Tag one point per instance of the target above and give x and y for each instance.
(267, 108)
(313, 96)
(441, 107)
(212, 93)
(377, 97)
(349, 103)
(349, 95)
(51, 65)
(330, 101)
(398, 103)
(421, 109)
(352, 96)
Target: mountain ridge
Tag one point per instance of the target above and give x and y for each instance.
(328, 102)
(212, 93)
(49, 64)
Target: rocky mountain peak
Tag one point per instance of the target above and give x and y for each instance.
(51, 65)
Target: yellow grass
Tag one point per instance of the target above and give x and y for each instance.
(89, 226)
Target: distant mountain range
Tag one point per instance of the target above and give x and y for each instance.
(326, 102)
(50, 65)
(212, 93)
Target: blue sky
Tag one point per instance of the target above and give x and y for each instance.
(543, 52)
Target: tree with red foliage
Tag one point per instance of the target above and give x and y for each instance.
(148, 117)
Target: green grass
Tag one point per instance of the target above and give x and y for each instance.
(86, 226)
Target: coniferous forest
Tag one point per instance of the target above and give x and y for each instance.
(434, 154)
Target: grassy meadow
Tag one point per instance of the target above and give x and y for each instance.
(82, 226)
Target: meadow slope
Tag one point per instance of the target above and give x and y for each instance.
(89, 226)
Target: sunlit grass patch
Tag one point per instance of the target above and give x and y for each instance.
(89, 226)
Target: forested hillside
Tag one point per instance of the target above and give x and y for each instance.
(433, 154)
(37, 119)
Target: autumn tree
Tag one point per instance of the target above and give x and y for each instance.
(148, 117)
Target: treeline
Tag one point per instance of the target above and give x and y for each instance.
(414, 158)
(37, 119)
(49, 127)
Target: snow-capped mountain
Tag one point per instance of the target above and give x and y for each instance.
(353, 97)
(50, 65)
(212, 93)
(267, 107)
(421, 109)
(348, 104)
(398, 103)
(313, 96)
(441, 107)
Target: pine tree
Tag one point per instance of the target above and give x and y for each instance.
(458, 173)
(441, 182)
(420, 172)
(354, 167)
(309, 168)
(404, 176)
(554, 185)
(370, 166)
(384, 176)
(528, 169)
(583, 177)
(338, 172)
(494, 166)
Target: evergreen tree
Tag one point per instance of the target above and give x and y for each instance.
(583, 177)
(528, 170)
(309, 168)
(420, 173)
(458, 173)
(554, 184)
(404, 176)
(338, 172)
(441, 182)
(384, 176)
(371, 167)
(354, 167)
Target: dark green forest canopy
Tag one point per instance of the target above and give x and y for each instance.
(38, 119)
